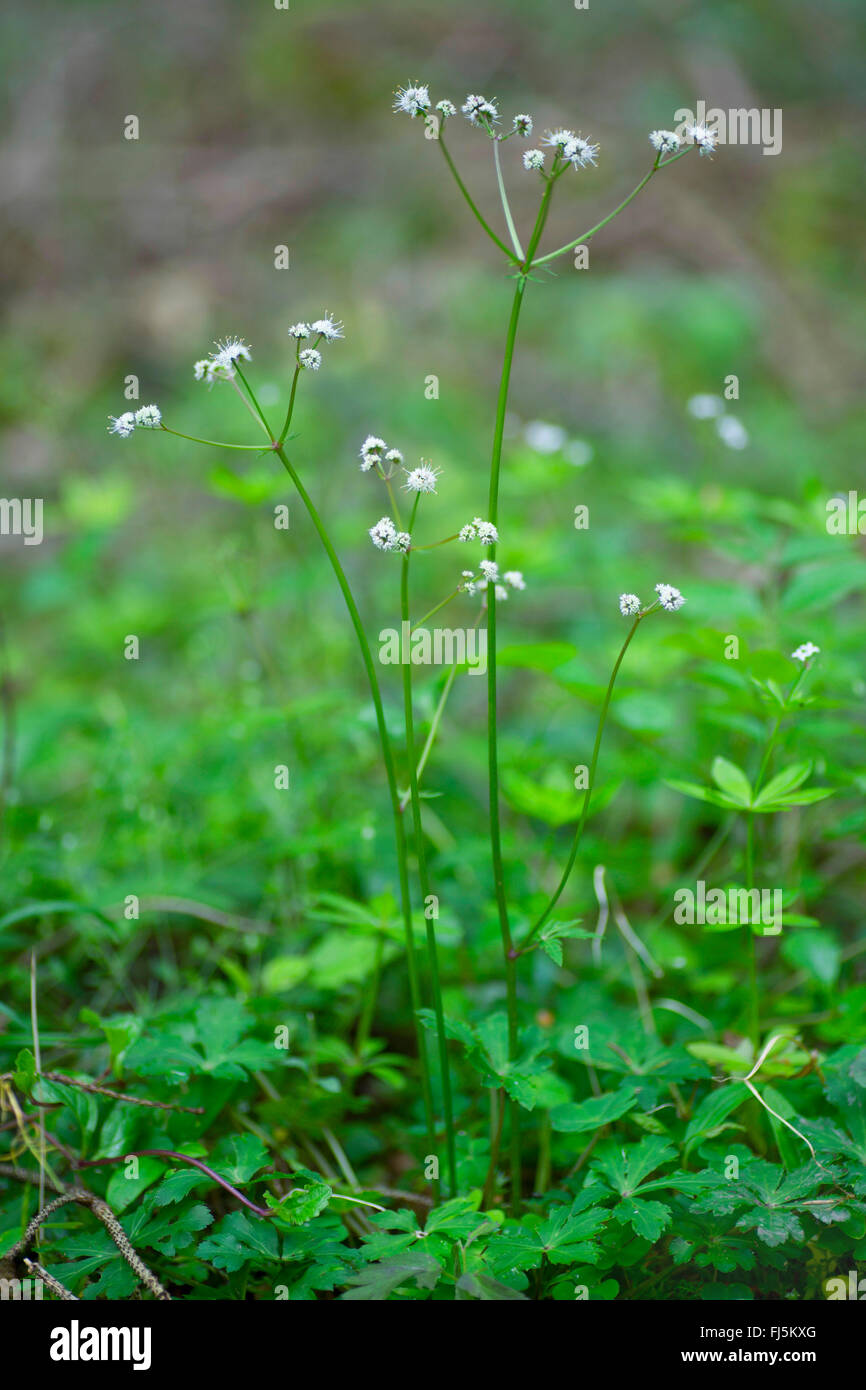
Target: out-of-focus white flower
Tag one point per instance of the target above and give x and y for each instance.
(394, 457)
(489, 569)
(421, 479)
(402, 542)
(665, 141)
(446, 109)
(629, 605)
(200, 369)
(148, 416)
(670, 598)
(543, 437)
(487, 532)
(122, 424)
(705, 140)
(299, 330)
(533, 159)
(805, 652)
(383, 534)
(705, 407)
(413, 99)
(522, 125)
(501, 592)
(327, 327)
(515, 579)
(578, 452)
(310, 359)
(478, 110)
(732, 432)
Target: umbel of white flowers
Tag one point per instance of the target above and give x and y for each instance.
(669, 598)
(148, 417)
(805, 652)
(488, 573)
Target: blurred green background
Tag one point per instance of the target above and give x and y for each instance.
(259, 128)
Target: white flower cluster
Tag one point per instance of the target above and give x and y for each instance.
(413, 100)
(325, 329)
(148, 417)
(421, 479)
(533, 159)
(375, 452)
(522, 125)
(670, 599)
(480, 111)
(488, 573)
(665, 141)
(703, 138)
(220, 366)
(578, 151)
(478, 530)
(385, 536)
(805, 652)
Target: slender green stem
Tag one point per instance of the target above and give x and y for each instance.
(289, 413)
(387, 758)
(258, 410)
(423, 874)
(371, 993)
(492, 733)
(438, 607)
(217, 443)
(751, 944)
(585, 236)
(431, 735)
(394, 507)
(566, 873)
(473, 209)
(512, 230)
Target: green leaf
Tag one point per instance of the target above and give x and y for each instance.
(785, 781)
(579, 1117)
(236, 1241)
(699, 793)
(376, 1282)
(647, 1219)
(816, 953)
(714, 1109)
(122, 1191)
(303, 1203)
(732, 781)
(485, 1287)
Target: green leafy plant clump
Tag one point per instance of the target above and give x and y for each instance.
(534, 974)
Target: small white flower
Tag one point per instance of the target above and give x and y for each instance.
(469, 532)
(522, 125)
(670, 598)
(478, 109)
(148, 416)
(383, 534)
(732, 432)
(467, 574)
(394, 457)
(533, 159)
(703, 138)
(705, 407)
(559, 139)
(421, 479)
(581, 152)
(402, 542)
(122, 424)
(201, 369)
(413, 99)
(515, 579)
(219, 371)
(665, 141)
(501, 592)
(487, 532)
(629, 605)
(446, 109)
(805, 652)
(328, 328)
(490, 570)
(310, 359)
(299, 330)
(373, 445)
(231, 351)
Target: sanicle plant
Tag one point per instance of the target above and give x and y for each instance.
(562, 154)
